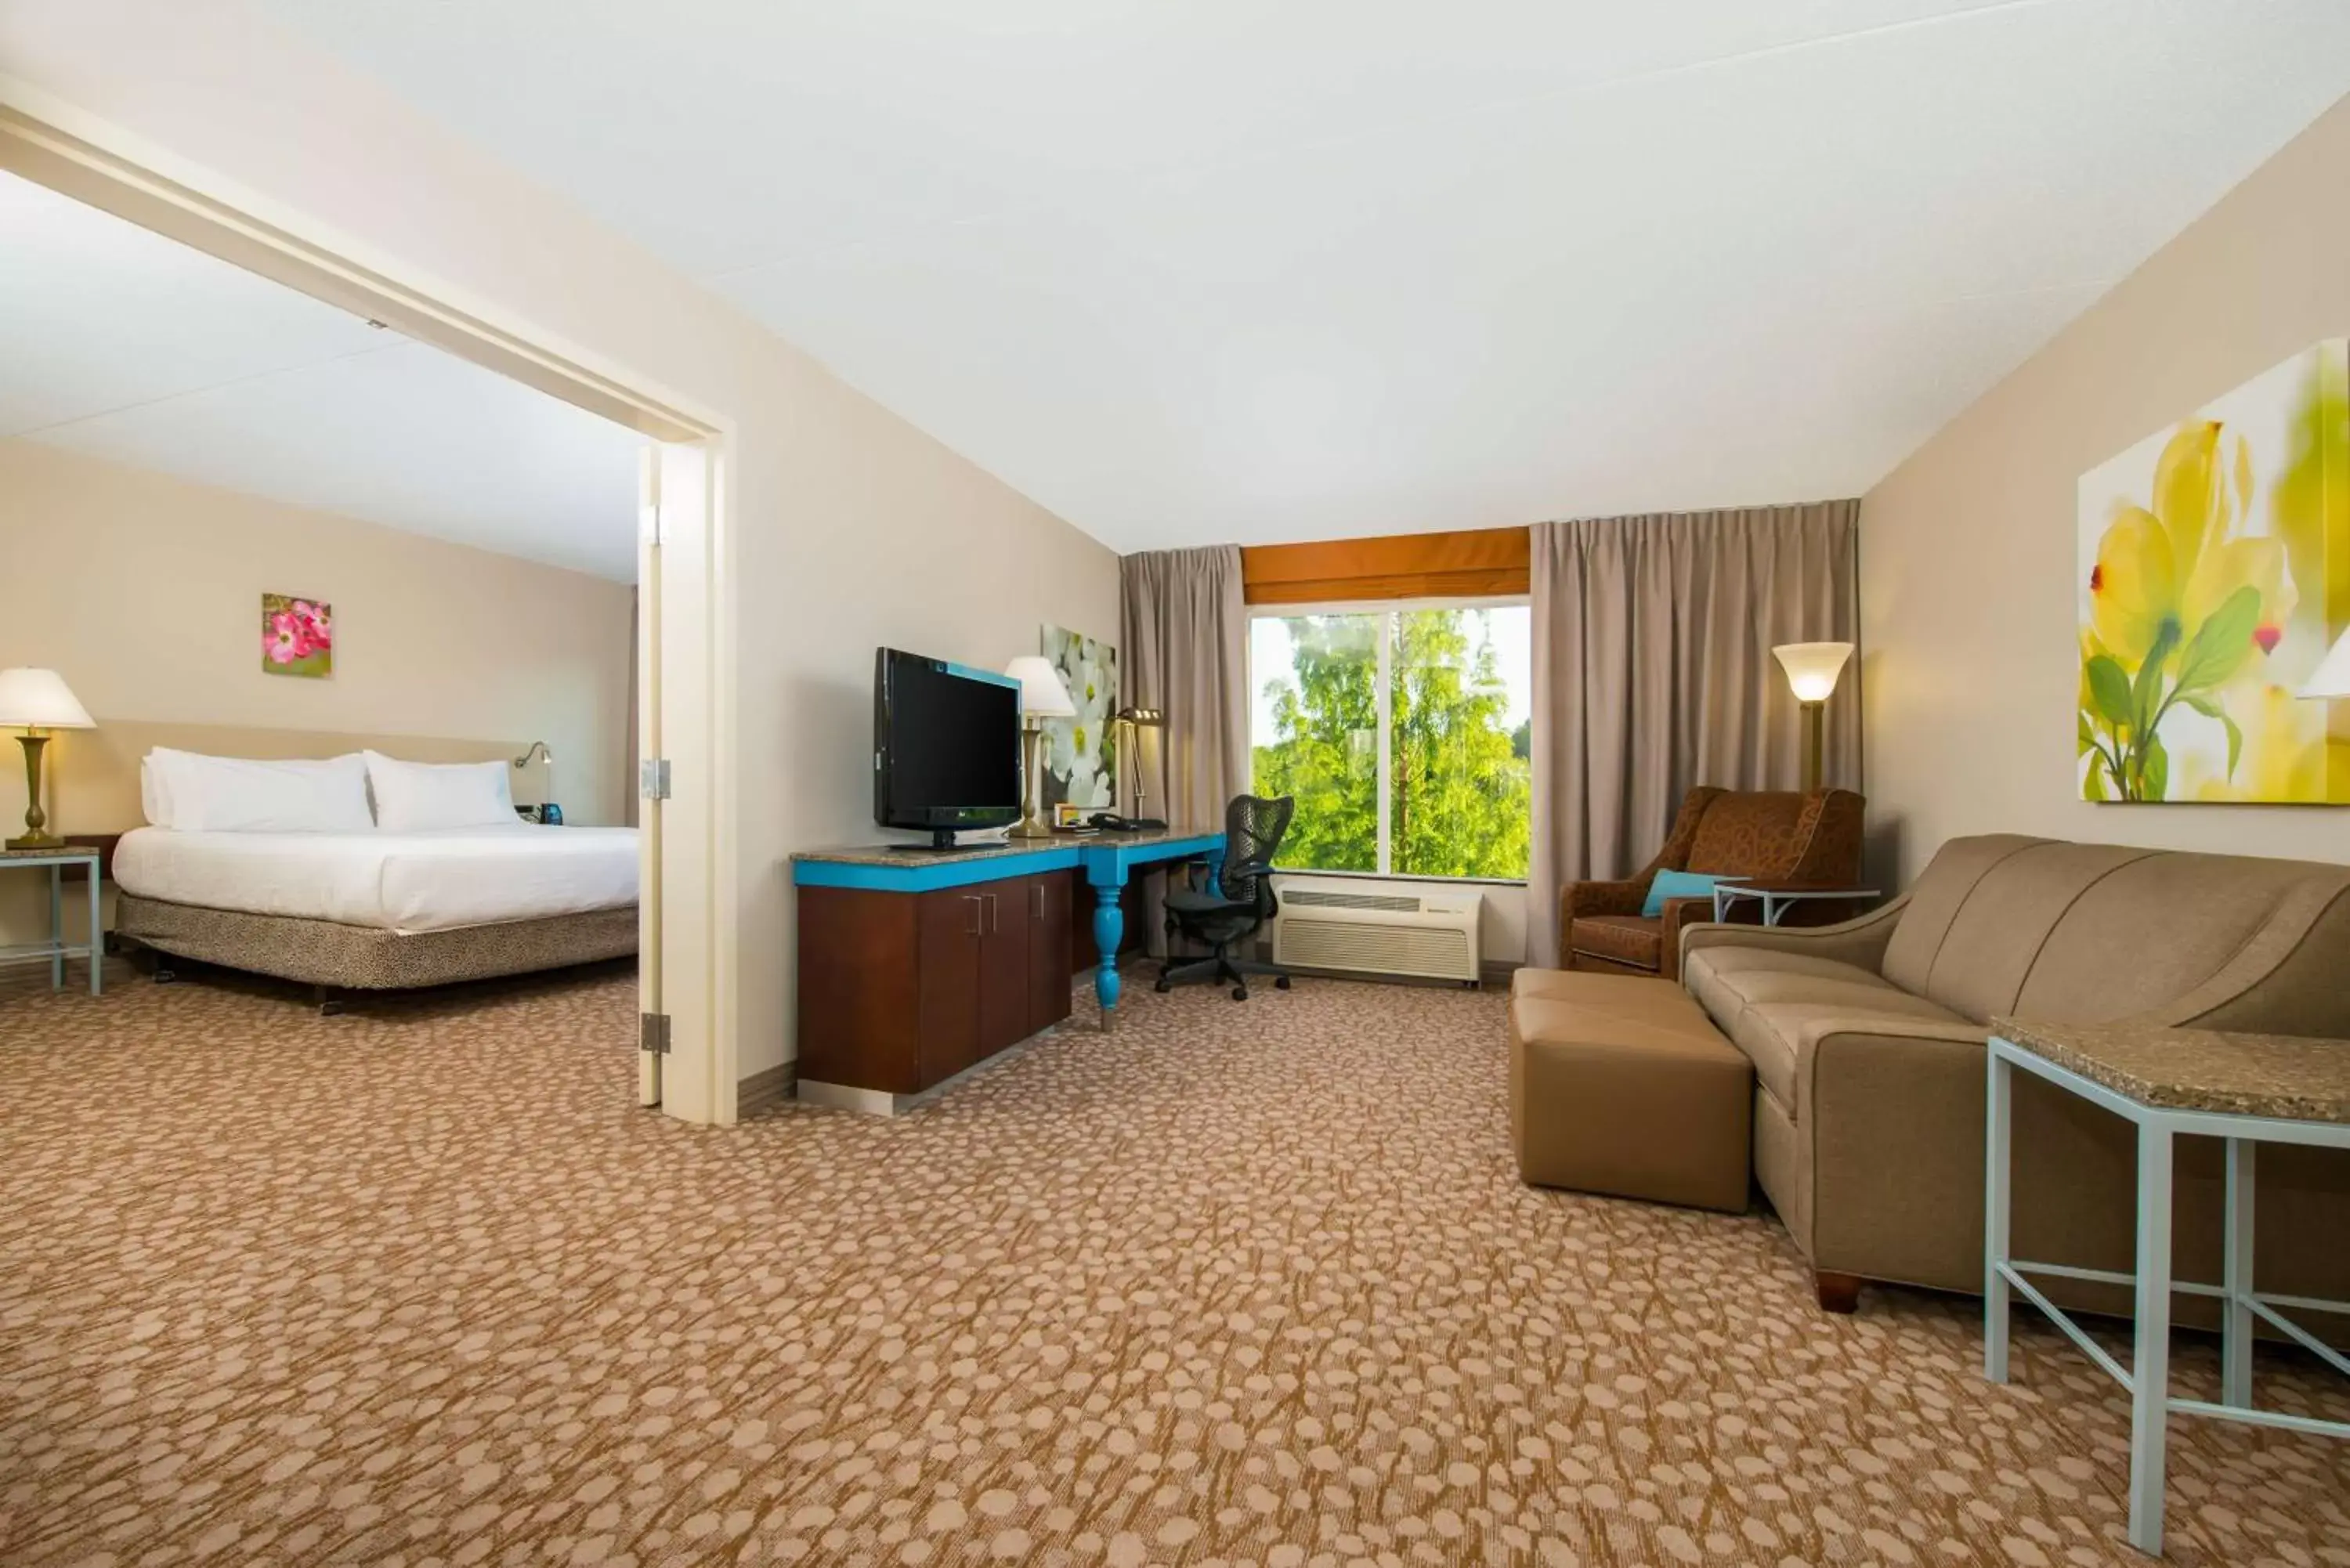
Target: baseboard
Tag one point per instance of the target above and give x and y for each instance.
(768, 1086)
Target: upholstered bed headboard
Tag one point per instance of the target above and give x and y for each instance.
(94, 773)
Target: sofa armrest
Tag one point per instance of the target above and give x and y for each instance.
(1860, 941)
(1888, 1147)
(1680, 914)
(1622, 897)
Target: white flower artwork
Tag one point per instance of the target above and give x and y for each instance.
(1080, 755)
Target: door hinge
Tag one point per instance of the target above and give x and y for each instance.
(652, 1033)
(653, 778)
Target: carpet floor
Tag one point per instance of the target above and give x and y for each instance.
(1238, 1284)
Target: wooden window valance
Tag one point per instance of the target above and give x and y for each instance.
(1473, 564)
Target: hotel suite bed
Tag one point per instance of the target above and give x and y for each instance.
(377, 911)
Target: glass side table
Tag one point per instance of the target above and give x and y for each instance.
(56, 949)
(2244, 1089)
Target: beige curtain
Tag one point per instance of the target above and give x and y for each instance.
(1184, 634)
(1653, 673)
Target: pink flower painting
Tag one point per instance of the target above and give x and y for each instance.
(298, 636)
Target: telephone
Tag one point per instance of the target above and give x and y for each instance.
(1111, 822)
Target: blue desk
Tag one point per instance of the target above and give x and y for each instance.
(1109, 860)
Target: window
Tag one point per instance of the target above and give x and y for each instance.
(1402, 733)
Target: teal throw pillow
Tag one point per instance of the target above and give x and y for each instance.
(1676, 885)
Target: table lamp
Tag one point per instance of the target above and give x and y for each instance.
(36, 701)
(1042, 697)
(1811, 670)
(1131, 721)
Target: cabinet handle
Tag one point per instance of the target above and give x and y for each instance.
(994, 914)
(1036, 897)
(978, 915)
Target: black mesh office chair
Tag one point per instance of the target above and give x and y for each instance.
(1241, 903)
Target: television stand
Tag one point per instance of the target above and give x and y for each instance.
(942, 842)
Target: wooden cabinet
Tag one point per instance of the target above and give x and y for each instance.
(898, 992)
(1050, 944)
(947, 933)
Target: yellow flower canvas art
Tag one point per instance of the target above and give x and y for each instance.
(2214, 576)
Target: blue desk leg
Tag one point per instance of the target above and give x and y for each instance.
(1110, 930)
(56, 928)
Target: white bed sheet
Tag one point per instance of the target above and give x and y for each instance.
(390, 881)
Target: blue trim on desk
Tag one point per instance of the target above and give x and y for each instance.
(1105, 863)
(916, 878)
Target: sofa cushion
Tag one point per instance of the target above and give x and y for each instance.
(1635, 940)
(2084, 932)
(1723, 978)
(2153, 930)
(1941, 892)
(1773, 1034)
(1765, 1000)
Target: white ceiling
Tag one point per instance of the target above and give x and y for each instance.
(1200, 270)
(126, 345)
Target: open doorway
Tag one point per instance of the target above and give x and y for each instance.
(503, 565)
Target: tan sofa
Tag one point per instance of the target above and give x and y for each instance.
(1867, 1044)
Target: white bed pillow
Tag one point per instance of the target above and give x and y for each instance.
(197, 793)
(424, 797)
(153, 799)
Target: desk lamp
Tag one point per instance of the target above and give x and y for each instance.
(1042, 697)
(1132, 722)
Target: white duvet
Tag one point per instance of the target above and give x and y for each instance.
(433, 881)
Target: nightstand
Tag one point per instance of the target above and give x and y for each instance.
(91, 859)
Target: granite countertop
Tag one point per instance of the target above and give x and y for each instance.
(2290, 1077)
(63, 851)
(915, 854)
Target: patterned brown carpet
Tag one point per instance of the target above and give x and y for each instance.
(1240, 1285)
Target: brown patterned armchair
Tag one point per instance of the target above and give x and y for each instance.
(1769, 835)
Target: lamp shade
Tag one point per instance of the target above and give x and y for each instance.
(1041, 691)
(2332, 676)
(1813, 667)
(38, 700)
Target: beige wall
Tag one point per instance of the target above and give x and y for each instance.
(852, 528)
(1967, 568)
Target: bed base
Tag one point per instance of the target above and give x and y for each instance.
(333, 959)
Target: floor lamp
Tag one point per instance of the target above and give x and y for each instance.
(1041, 696)
(1811, 670)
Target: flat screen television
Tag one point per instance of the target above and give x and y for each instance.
(946, 746)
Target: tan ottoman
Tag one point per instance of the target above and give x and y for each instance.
(1623, 1085)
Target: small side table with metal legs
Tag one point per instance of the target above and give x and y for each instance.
(2243, 1089)
(56, 949)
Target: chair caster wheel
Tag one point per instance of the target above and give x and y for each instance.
(1162, 988)
(1239, 994)
(1280, 982)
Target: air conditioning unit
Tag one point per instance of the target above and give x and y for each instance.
(1335, 923)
